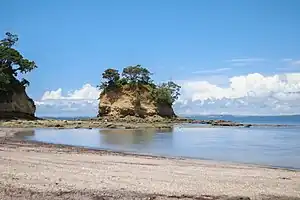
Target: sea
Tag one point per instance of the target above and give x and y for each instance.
(282, 119)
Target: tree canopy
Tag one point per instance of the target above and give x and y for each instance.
(167, 93)
(112, 75)
(12, 63)
(138, 76)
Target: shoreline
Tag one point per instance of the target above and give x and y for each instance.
(12, 134)
(134, 123)
(14, 138)
(48, 170)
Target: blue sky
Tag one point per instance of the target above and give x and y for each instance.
(73, 41)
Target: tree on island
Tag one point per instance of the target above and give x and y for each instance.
(12, 63)
(167, 93)
(137, 74)
(112, 77)
(137, 77)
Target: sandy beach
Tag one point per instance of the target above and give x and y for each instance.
(31, 170)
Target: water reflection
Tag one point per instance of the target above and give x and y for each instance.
(27, 133)
(131, 137)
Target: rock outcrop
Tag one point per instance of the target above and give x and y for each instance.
(15, 104)
(130, 102)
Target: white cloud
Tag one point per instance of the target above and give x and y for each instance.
(249, 94)
(86, 92)
(240, 62)
(81, 102)
(286, 60)
(212, 71)
(244, 60)
(251, 85)
(291, 61)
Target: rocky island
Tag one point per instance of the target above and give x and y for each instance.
(135, 94)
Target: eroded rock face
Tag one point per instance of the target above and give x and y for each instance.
(165, 110)
(124, 103)
(16, 104)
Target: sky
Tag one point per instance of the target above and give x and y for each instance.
(230, 57)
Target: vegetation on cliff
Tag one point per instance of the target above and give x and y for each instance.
(12, 63)
(137, 79)
(14, 102)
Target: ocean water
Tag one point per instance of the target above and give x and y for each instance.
(284, 119)
(271, 146)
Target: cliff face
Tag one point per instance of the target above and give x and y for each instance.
(15, 104)
(129, 102)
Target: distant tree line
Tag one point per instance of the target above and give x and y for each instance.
(137, 77)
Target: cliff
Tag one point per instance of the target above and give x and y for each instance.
(127, 101)
(15, 104)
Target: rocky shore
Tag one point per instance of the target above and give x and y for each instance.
(126, 123)
(33, 170)
(90, 123)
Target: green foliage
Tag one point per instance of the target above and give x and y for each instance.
(174, 90)
(12, 63)
(132, 75)
(162, 95)
(166, 93)
(111, 77)
(10, 40)
(122, 81)
(4, 81)
(137, 74)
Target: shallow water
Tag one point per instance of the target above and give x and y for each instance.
(282, 119)
(279, 147)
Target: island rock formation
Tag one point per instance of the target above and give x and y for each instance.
(15, 104)
(126, 101)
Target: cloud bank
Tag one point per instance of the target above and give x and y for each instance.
(80, 102)
(252, 94)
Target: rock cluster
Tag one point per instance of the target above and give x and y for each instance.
(15, 104)
(127, 102)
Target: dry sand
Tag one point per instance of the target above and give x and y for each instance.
(43, 171)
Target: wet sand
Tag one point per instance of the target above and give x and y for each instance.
(31, 170)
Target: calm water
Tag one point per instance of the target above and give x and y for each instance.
(283, 119)
(278, 147)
